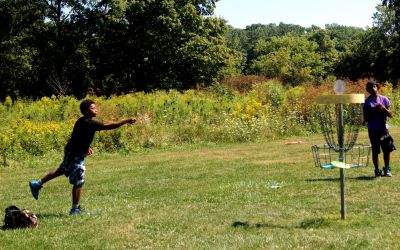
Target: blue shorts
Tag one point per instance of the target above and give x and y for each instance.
(72, 166)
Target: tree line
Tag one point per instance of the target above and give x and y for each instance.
(72, 47)
(296, 54)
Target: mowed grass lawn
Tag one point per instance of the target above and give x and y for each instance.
(209, 197)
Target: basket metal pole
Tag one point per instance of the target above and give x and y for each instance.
(341, 159)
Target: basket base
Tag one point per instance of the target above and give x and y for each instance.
(326, 158)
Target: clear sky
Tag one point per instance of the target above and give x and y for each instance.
(240, 13)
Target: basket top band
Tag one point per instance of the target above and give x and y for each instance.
(340, 99)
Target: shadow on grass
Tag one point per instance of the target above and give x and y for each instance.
(360, 178)
(323, 179)
(305, 224)
(52, 215)
(245, 224)
(365, 178)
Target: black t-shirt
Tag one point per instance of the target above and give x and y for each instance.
(82, 135)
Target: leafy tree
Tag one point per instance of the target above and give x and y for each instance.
(145, 45)
(376, 53)
(111, 46)
(335, 44)
(360, 61)
(203, 7)
(344, 37)
(174, 44)
(393, 6)
(243, 41)
(257, 32)
(17, 50)
(292, 58)
(237, 41)
(109, 55)
(62, 65)
(326, 48)
(387, 21)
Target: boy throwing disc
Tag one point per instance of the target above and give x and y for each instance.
(77, 148)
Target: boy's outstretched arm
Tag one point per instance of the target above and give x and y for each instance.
(114, 125)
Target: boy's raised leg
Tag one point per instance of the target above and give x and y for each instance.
(35, 188)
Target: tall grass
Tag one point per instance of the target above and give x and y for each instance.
(220, 114)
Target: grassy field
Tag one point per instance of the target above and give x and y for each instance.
(209, 197)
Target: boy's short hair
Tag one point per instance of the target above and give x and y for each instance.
(373, 82)
(85, 104)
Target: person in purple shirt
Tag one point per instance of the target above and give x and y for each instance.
(376, 111)
(77, 148)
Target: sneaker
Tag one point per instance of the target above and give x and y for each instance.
(378, 172)
(387, 172)
(35, 188)
(75, 211)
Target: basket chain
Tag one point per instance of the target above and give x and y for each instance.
(352, 116)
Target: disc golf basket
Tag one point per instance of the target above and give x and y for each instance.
(340, 118)
(326, 157)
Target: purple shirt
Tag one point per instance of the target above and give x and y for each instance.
(377, 122)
